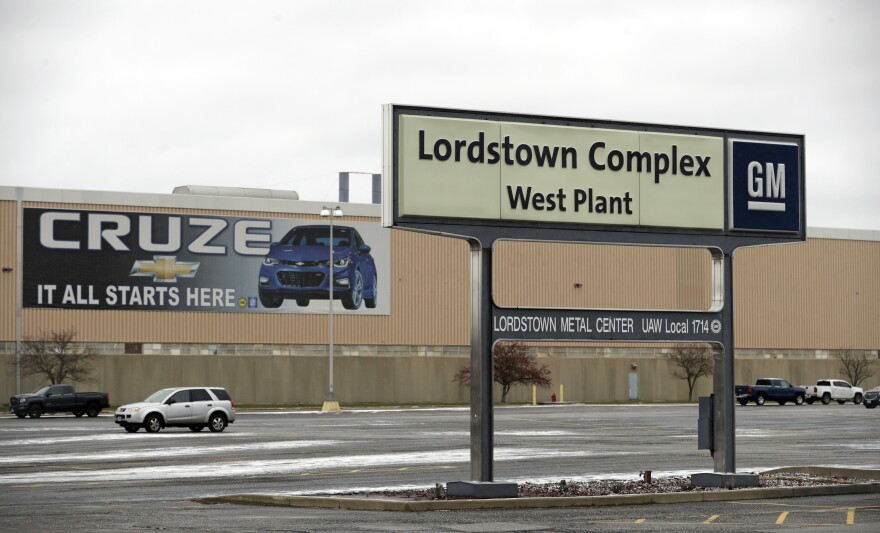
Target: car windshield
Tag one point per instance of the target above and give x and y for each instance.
(317, 236)
(158, 396)
(42, 389)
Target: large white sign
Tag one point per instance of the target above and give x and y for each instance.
(511, 171)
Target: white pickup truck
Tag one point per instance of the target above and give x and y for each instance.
(838, 390)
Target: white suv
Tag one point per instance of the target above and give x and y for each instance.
(192, 407)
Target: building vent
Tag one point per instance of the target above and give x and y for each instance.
(240, 192)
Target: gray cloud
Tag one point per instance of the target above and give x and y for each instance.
(144, 96)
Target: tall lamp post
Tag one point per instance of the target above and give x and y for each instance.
(330, 404)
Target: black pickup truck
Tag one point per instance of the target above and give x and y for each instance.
(770, 389)
(58, 399)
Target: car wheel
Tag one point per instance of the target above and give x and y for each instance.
(132, 429)
(78, 413)
(271, 301)
(371, 302)
(20, 415)
(36, 411)
(153, 424)
(799, 399)
(826, 399)
(743, 402)
(303, 302)
(217, 423)
(93, 410)
(760, 399)
(354, 299)
(858, 399)
(196, 428)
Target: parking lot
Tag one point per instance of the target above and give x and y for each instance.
(88, 474)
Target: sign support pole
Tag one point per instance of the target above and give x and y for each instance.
(482, 416)
(723, 381)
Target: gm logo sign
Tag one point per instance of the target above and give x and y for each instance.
(765, 186)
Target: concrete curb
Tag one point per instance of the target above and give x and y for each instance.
(382, 504)
(827, 471)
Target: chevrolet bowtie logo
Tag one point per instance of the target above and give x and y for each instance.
(165, 269)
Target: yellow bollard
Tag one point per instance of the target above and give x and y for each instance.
(534, 395)
(561, 393)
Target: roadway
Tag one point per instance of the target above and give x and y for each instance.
(81, 474)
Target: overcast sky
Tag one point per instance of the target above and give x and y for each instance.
(145, 96)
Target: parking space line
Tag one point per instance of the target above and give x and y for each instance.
(781, 518)
(850, 516)
(711, 519)
(375, 470)
(640, 521)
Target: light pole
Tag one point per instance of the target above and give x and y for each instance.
(330, 404)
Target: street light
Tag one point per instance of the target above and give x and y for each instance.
(330, 404)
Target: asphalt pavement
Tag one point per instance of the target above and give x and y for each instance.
(81, 474)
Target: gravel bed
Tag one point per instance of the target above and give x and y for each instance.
(567, 488)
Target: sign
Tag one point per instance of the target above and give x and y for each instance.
(765, 183)
(446, 168)
(175, 262)
(605, 325)
(509, 171)
(487, 176)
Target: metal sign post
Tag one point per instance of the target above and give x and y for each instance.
(486, 177)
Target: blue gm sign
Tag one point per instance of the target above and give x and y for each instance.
(765, 186)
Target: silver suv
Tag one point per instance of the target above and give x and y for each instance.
(192, 407)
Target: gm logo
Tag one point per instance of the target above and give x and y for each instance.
(766, 181)
(765, 186)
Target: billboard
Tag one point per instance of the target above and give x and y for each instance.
(84, 259)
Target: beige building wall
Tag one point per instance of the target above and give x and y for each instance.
(818, 295)
(822, 294)
(292, 380)
(7, 260)
(568, 275)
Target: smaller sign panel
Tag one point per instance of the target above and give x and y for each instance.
(605, 325)
(765, 186)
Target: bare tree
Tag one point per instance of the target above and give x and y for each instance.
(856, 365)
(690, 363)
(511, 364)
(56, 356)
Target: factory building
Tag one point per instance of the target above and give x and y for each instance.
(209, 286)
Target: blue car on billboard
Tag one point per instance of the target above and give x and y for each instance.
(298, 267)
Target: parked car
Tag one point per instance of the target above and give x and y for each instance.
(59, 398)
(193, 407)
(838, 390)
(770, 389)
(298, 267)
(872, 398)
